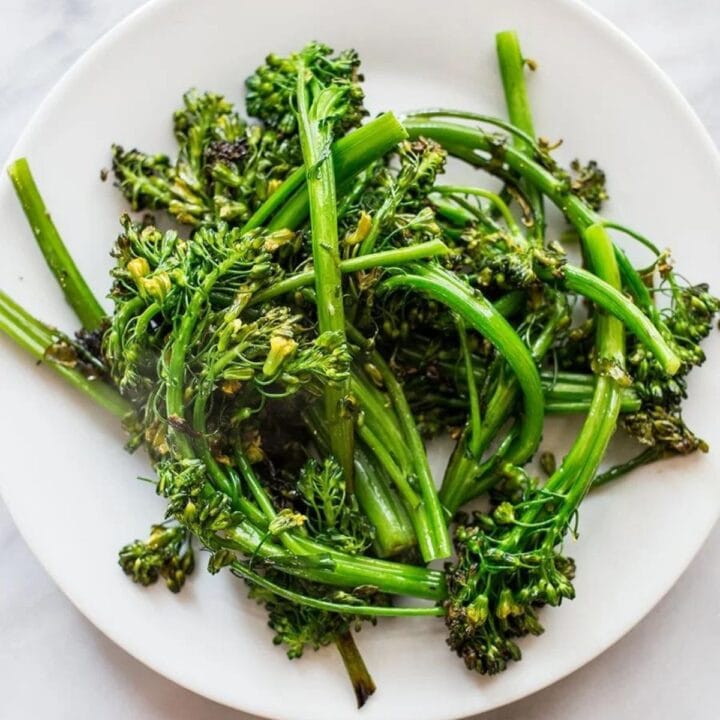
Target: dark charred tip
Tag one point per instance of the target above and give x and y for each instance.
(226, 152)
(363, 690)
(362, 682)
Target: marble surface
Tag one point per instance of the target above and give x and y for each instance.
(55, 665)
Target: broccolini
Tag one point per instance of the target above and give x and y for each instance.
(327, 302)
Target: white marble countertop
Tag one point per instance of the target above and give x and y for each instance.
(54, 664)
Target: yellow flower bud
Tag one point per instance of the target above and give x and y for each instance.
(157, 286)
(361, 231)
(277, 239)
(138, 268)
(280, 348)
(273, 185)
(478, 610)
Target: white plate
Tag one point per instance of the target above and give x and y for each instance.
(71, 488)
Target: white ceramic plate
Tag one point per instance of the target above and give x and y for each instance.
(71, 487)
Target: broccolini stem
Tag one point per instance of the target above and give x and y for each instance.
(350, 155)
(575, 475)
(564, 396)
(394, 533)
(613, 301)
(245, 571)
(362, 682)
(602, 418)
(582, 407)
(419, 518)
(510, 303)
(636, 286)
(38, 339)
(376, 412)
(341, 570)
(561, 400)
(396, 257)
(480, 314)
(77, 293)
(494, 199)
(440, 544)
(474, 426)
(398, 474)
(647, 456)
(458, 216)
(645, 242)
(315, 138)
(512, 67)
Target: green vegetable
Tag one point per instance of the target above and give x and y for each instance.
(76, 290)
(328, 303)
(326, 97)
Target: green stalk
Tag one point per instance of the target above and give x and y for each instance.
(570, 401)
(610, 344)
(613, 301)
(647, 456)
(510, 303)
(575, 475)
(458, 216)
(37, 338)
(393, 531)
(439, 545)
(582, 407)
(512, 67)
(397, 474)
(336, 568)
(568, 398)
(77, 293)
(636, 286)
(453, 136)
(494, 199)
(384, 443)
(362, 682)
(314, 113)
(245, 571)
(474, 425)
(396, 257)
(480, 314)
(512, 71)
(289, 203)
(378, 414)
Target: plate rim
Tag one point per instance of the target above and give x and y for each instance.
(124, 642)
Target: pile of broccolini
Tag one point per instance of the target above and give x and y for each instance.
(326, 304)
